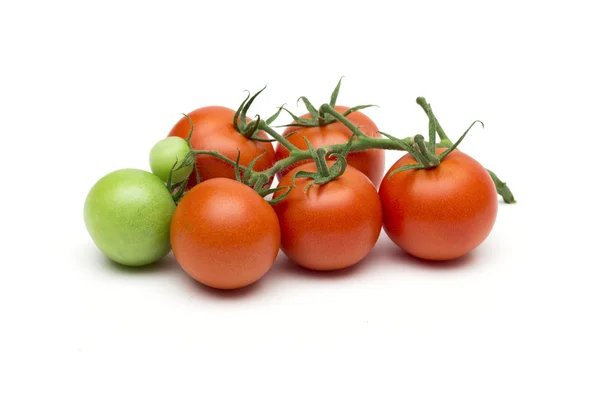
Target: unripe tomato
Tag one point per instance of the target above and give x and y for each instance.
(128, 213)
(163, 156)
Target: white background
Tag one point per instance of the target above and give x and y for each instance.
(89, 87)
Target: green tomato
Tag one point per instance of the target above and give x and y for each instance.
(128, 214)
(163, 156)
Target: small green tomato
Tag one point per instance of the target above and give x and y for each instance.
(164, 154)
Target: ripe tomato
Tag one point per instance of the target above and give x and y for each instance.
(214, 130)
(369, 162)
(330, 226)
(440, 213)
(224, 234)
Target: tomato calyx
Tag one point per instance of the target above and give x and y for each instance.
(240, 117)
(325, 173)
(319, 117)
(259, 181)
(176, 189)
(425, 152)
(250, 129)
(190, 159)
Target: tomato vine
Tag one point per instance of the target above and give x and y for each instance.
(424, 152)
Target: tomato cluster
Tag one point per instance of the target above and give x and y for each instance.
(326, 213)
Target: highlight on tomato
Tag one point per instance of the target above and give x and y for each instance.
(224, 130)
(327, 226)
(323, 130)
(224, 235)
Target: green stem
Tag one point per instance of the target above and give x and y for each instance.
(251, 128)
(376, 143)
(321, 120)
(432, 130)
(360, 144)
(189, 137)
(260, 182)
(429, 160)
(440, 131)
(327, 108)
(427, 107)
(322, 163)
(502, 189)
(288, 145)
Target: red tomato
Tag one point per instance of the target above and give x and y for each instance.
(369, 162)
(224, 234)
(214, 130)
(330, 226)
(440, 213)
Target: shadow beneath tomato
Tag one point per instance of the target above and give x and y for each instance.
(166, 263)
(231, 294)
(387, 252)
(290, 268)
(459, 263)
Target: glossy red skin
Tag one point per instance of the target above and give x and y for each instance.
(370, 162)
(331, 226)
(441, 213)
(214, 130)
(225, 235)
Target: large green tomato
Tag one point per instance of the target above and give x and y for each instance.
(128, 213)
